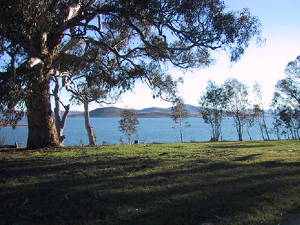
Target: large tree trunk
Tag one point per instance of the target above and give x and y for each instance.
(88, 127)
(41, 127)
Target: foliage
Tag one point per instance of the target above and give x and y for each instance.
(221, 183)
(286, 100)
(129, 123)
(116, 41)
(213, 103)
(293, 68)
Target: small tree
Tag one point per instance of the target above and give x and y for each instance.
(87, 91)
(179, 114)
(213, 102)
(250, 121)
(129, 123)
(259, 112)
(238, 104)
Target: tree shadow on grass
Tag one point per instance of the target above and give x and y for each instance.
(132, 191)
(247, 157)
(239, 146)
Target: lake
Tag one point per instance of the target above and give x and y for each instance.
(151, 130)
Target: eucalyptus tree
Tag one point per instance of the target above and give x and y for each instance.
(87, 90)
(238, 106)
(179, 115)
(286, 98)
(60, 118)
(259, 111)
(129, 123)
(289, 88)
(214, 102)
(39, 40)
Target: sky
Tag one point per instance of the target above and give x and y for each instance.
(263, 64)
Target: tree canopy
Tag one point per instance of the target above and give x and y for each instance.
(286, 99)
(117, 41)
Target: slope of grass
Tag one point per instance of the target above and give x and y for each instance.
(231, 183)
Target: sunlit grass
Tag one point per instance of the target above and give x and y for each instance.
(230, 183)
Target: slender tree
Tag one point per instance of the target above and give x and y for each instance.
(41, 39)
(179, 115)
(213, 102)
(259, 112)
(238, 105)
(128, 123)
(87, 91)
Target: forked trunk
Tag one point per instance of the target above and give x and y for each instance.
(88, 127)
(41, 126)
(60, 121)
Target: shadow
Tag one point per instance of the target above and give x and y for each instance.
(136, 190)
(247, 157)
(238, 146)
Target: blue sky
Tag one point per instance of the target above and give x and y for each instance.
(280, 27)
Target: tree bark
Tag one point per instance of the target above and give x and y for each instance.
(60, 121)
(41, 126)
(181, 130)
(239, 127)
(240, 133)
(265, 126)
(88, 127)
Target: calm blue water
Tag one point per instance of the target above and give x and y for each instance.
(150, 130)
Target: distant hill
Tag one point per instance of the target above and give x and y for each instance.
(155, 109)
(152, 112)
(192, 109)
(106, 112)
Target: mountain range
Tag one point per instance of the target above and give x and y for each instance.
(152, 112)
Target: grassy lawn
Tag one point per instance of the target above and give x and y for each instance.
(231, 183)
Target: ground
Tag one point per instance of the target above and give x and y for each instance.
(228, 183)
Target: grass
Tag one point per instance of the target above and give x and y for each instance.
(230, 183)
